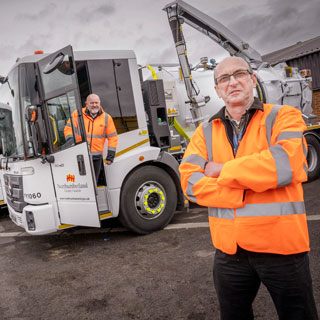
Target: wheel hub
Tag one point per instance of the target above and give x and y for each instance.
(150, 200)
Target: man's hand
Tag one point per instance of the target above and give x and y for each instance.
(108, 162)
(213, 169)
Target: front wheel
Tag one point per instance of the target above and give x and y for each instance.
(313, 157)
(148, 200)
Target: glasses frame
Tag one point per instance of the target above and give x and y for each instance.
(216, 80)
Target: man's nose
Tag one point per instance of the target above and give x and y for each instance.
(233, 80)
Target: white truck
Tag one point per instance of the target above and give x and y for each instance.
(49, 184)
(279, 84)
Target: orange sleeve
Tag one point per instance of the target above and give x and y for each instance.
(197, 186)
(283, 163)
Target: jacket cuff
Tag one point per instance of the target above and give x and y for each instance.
(110, 155)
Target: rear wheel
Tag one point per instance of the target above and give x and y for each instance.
(148, 200)
(313, 157)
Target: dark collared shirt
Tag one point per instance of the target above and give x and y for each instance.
(231, 124)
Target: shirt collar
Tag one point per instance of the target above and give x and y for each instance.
(223, 114)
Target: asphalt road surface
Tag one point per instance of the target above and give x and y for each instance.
(110, 273)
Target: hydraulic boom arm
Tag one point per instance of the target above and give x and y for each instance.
(179, 12)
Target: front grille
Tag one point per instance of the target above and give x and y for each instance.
(14, 192)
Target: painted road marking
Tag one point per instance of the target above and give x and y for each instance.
(173, 226)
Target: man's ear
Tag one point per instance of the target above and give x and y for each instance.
(254, 79)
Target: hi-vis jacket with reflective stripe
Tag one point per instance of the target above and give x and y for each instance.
(97, 130)
(257, 201)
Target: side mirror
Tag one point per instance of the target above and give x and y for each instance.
(31, 113)
(54, 64)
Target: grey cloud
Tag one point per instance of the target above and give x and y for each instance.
(45, 12)
(280, 24)
(91, 13)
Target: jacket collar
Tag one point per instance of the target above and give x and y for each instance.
(87, 112)
(256, 105)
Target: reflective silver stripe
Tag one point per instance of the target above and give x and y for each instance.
(194, 178)
(289, 135)
(106, 120)
(96, 153)
(223, 213)
(94, 136)
(304, 148)
(305, 152)
(111, 148)
(284, 172)
(195, 159)
(68, 125)
(271, 209)
(207, 131)
(69, 136)
(111, 135)
(270, 121)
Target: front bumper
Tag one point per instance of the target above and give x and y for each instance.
(44, 219)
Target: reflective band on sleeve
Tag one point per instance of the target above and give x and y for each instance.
(207, 131)
(106, 120)
(195, 159)
(223, 213)
(96, 153)
(194, 178)
(94, 136)
(284, 172)
(69, 136)
(289, 135)
(111, 135)
(270, 121)
(305, 152)
(304, 148)
(68, 125)
(271, 209)
(112, 149)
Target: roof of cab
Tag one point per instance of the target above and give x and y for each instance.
(83, 55)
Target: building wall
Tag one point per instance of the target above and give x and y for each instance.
(309, 61)
(312, 62)
(316, 103)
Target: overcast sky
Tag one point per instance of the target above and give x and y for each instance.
(141, 25)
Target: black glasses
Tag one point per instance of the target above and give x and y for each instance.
(238, 75)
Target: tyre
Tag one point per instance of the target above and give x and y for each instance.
(313, 157)
(148, 200)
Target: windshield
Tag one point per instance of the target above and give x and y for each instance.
(10, 125)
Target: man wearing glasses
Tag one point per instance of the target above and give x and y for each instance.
(246, 164)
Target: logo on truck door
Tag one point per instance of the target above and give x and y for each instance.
(70, 178)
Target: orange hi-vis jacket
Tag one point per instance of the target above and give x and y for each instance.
(98, 129)
(257, 200)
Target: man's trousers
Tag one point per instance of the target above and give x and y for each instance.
(287, 278)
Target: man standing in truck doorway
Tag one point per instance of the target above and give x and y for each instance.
(246, 164)
(99, 126)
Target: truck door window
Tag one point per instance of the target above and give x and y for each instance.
(10, 126)
(63, 121)
(110, 80)
(59, 79)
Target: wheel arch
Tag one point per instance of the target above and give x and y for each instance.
(314, 132)
(169, 164)
(313, 155)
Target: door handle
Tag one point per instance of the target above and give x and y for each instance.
(81, 165)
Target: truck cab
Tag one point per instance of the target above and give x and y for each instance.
(49, 182)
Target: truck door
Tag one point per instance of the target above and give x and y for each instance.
(71, 165)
